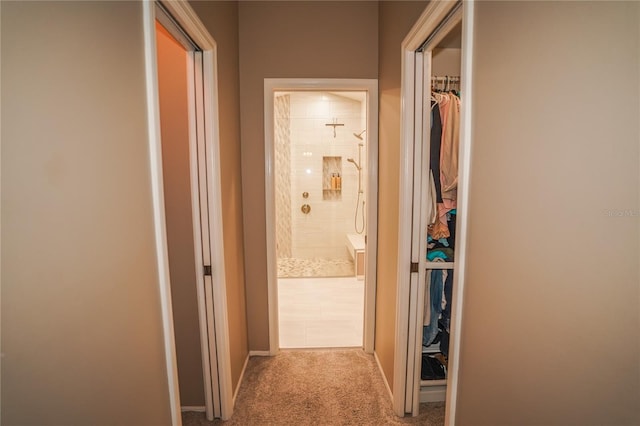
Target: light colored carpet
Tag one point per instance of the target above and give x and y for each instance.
(319, 387)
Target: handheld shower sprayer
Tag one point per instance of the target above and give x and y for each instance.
(351, 160)
(359, 229)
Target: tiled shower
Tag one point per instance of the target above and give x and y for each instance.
(316, 184)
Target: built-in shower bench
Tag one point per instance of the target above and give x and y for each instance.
(356, 245)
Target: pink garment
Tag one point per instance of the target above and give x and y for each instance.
(445, 207)
(449, 149)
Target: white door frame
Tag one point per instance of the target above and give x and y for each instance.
(212, 300)
(291, 84)
(428, 22)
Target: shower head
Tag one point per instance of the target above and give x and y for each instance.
(359, 135)
(351, 160)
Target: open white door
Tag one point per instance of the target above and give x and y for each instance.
(182, 22)
(202, 236)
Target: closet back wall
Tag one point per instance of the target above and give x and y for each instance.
(332, 40)
(551, 314)
(174, 129)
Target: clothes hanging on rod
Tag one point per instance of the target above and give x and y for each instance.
(445, 138)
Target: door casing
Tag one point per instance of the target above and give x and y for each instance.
(212, 301)
(371, 231)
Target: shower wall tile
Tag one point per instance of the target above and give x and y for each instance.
(322, 232)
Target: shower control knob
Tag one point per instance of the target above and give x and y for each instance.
(306, 208)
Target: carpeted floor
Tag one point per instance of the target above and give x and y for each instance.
(319, 387)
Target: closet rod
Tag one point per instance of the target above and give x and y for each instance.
(447, 81)
(451, 78)
(442, 23)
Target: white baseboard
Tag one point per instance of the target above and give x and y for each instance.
(244, 368)
(259, 353)
(384, 378)
(433, 394)
(196, 408)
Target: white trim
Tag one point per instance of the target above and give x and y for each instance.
(197, 239)
(405, 193)
(371, 255)
(270, 216)
(428, 21)
(188, 19)
(159, 222)
(259, 353)
(384, 377)
(464, 179)
(244, 369)
(193, 408)
(217, 241)
(371, 87)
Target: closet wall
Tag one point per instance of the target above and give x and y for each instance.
(446, 61)
(396, 19)
(332, 40)
(80, 308)
(551, 311)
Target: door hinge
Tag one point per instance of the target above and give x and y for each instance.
(414, 267)
(207, 270)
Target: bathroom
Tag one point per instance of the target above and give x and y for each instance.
(320, 186)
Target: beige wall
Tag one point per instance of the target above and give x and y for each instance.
(81, 324)
(551, 316)
(174, 121)
(446, 62)
(396, 19)
(221, 19)
(295, 40)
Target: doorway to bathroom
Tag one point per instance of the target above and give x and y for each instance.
(321, 142)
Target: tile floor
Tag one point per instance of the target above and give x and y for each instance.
(320, 312)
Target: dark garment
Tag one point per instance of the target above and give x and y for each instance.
(451, 224)
(430, 331)
(445, 321)
(432, 369)
(444, 343)
(448, 294)
(435, 143)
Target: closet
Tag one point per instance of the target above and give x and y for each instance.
(437, 105)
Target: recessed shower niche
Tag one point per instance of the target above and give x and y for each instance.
(331, 178)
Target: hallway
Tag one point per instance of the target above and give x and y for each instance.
(316, 387)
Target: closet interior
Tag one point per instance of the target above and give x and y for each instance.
(436, 146)
(443, 116)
